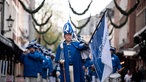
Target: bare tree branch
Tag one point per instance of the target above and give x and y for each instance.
(42, 24)
(53, 42)
(39, 32)
(30, 11)
(77, 12)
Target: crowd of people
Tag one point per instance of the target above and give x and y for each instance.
(69, 64)
(37, 61)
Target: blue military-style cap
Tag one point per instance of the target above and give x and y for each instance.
(46, 52)
(35, 46)
(33, 41)
(38, 46)
(67, 29)
(49, 50)
(30, 46)
(42, 49)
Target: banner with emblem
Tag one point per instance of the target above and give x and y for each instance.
(100, 50)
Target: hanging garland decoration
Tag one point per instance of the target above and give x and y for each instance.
(42, 24)
(79, 31)
(82, 26)
(53, 42)
(111, 31)
(110, 34)
(117, 26)
(111, 38)
(43, 31)
(30, 11)
(125, 13)
(77, 12)
(129, 11)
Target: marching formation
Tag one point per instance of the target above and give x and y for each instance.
(38, 63)
(71, 63)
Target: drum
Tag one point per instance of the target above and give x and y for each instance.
(116, 77)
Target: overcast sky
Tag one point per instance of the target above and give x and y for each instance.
(79, 6)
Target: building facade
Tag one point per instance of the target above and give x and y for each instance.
(129, 50)
(18, 34)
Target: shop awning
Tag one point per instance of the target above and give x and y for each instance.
(6, 41)
(140, 31)
(129, 52)
(7, 45)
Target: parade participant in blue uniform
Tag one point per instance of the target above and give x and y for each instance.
(30, 63)
(47, 66)
(92, 73)
(68, 55)
(117, 68)
(115, 60)
(86, 65)
(39, 62)
(53, 76)
(85, 58)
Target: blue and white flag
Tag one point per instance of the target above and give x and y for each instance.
(100, 49)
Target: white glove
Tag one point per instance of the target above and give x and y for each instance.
(57, 73)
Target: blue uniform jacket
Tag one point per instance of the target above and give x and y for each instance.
(30, 64)
(39, 62)
(72, 56)
(47, 64)
(87, 63)
(116, 63)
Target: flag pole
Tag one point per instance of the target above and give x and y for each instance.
(64, 72)
(97, 26)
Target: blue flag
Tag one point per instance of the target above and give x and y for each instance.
(100, 49)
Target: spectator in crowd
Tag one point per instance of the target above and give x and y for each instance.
(128, 76)
(47, 66)
(53, 77)
(137, 75)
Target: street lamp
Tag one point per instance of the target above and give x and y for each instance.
(10, 24)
